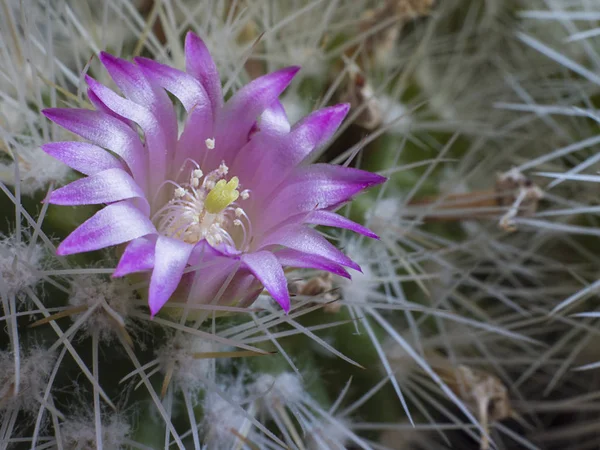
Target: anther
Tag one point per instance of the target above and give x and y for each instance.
(210, 143)
(223, 169)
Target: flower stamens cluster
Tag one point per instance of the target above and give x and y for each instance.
(205, 207)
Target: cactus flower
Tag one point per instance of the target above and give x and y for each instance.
(229, 197)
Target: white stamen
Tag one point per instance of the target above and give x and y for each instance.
(223, 169)
(185, 217)
(245, 194)
(210, 143)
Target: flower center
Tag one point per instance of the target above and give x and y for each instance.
(205, 207)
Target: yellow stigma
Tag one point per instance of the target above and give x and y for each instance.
(222, 195)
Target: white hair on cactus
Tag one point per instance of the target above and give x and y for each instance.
(383, 211)
(221, 417)
(295, 107)
(80, 433)
(36, 171)
(177, 358)
(20, 265)
(279, 389)
(111, 301)
(327, 434)
(357, 289)
(395, 114)
(35, 367)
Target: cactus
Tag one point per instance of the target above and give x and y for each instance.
(471, 323)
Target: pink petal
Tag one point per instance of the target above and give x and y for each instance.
(218, 281)
(314, 187)
(310, 134)
(268, 271)
(307, 136)
(170, 260)
(189, 91)
(139, 89)
(137, 257)
(156, 138)
(203, 251)
(200, 65)
(273, 120)
(186, 88)
(104, 131)
(100, 106)
(191, 145)
(331, 219)
(108, 186)
(115, 224)
(295, 258)
(86, 158)
(239, 114)
(307, 240)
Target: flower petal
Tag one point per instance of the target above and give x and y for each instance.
(245, 107)
(115, 224)
(137, 257)
(105, 131)
(294, 258)
(139, 89)
(265, 267)
(100, 106)
(191, 145)
(189, 91)
(274, 120)
(156, 139)
(331, 219)
(264, 137)
(218, 282)
(306, 240)
(83, 157)
(203, 251)
(108, 186)
(308, 135)
(170, 260)
(185, 87)
(314, 187)
(200, 65)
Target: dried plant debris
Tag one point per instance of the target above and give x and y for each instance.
(514, 194)
(483, 392)
(517, 192)
(360, 94)
(321, 290)
(385, 22)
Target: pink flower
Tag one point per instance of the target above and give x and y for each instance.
(229, 195)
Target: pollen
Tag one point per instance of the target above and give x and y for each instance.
(222, 195)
